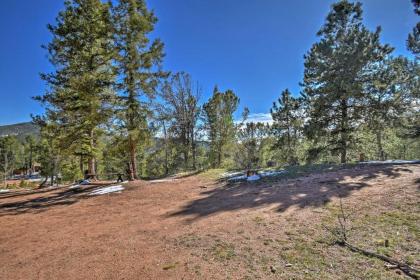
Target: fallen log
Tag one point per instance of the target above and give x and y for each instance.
(408, 270)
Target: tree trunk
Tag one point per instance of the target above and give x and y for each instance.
(219, 157)
(381, 155)
(404, 151)
(133, 159)
(185, 159)
(343, 155)
(81, 165)
(166, 149)
(44, 182)
(131, 123)
(344, 131)
(194, 154)
(91, 160)
(186, 147)
(52, 172)
(52, 179)
(91, 168)
(30, 160)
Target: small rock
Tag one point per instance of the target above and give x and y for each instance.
(289, 264)
(273, 269)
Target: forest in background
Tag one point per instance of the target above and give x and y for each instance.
(111, 108)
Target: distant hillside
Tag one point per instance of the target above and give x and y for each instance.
(19, 129)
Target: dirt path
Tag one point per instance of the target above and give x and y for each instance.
(189, 228)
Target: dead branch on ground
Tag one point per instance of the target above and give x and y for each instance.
(341, 235)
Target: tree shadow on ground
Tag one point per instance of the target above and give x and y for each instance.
(26, 192)
(391, 173)
(312, 190)
(42, 203)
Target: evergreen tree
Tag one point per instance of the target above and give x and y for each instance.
(115, 155)
(138, 62)
(8, 156)
(287, 125)
(79, 99)
(218, 115)
(29, 150)
(413, 44)
(48, 151)
(250, 141)
(333, 90)
(413, 41)
(387, 96)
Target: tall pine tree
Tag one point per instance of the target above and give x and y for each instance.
(333, 90)
(79, 98)
(138, 61)
(413, 44)
(287, 125)
(387, 96)
(218, 115)
(413, 41)
(251, 137)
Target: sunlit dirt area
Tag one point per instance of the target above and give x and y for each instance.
(200, 228)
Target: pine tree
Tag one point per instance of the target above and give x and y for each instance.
(115, 155)
(138, 62)
(29, 146)
(287, 125)
(333, 91)
(218, 115)
(387, 96)
(250, 141)
(79, 98)
(48, 151)
(413, 44)
(8, 156)
(413, 41)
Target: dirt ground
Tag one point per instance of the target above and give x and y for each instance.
(198, 228)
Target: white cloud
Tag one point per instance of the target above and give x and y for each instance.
(260, 117)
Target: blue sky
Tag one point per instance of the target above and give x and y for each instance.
(254, 47)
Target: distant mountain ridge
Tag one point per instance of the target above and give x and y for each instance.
(19, 129)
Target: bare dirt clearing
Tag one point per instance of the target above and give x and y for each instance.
(196, 228)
